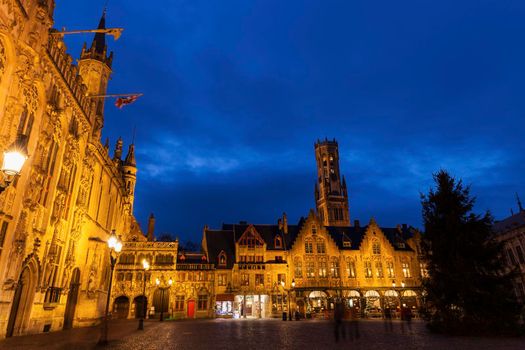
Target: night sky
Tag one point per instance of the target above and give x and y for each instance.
(237, 92)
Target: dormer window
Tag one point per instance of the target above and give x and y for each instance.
(222, 259)
(347, 244)
(278, 242)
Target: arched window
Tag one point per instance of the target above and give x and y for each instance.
(334, 267)
(376, 248)
(222, 258)
(278, 242)
(308, 246)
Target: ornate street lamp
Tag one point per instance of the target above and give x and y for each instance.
(115, 246)
(14, 159)
(145, 265)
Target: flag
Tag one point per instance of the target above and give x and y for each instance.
(122, 101)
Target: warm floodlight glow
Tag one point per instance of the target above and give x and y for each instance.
(112, 241)
(293, 283)
(13, 162)
(170, 282)
(145, 264)
(157, 281)
(118, 246)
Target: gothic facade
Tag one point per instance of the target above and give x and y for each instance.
(57, 215)
(251, 270)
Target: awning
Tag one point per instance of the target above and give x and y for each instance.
(224, 297)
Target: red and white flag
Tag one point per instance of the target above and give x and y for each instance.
(123, 101)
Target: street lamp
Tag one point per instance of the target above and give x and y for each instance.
(115, 246)
(14, 159)
(289, 309)
(145, 265)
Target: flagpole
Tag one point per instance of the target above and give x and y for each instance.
(114, 95)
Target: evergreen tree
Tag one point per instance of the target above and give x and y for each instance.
(468, 289)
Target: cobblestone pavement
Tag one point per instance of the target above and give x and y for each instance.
(256, 334)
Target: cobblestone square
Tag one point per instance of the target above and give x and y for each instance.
(255, 334)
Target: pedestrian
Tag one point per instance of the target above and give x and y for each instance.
(339, 312)
(354, 326)
(388, 319)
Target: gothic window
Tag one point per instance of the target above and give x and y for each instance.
(164, 259)
(245, 279)
(390, 269)
(379, 269)
(298, 267)
(308, 247)
(259, 279)
(322, 269)
(350, 269)
(334, 268)
(222, 259)
(376, 248)
(368, 269)
(321, 247)
(310, 269)
(278, 242)
(406, 270)
(120, 277)
(221, 279)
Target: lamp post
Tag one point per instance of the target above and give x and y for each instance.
(115, 246)
(145, 265)
(14, 159)
(288, 297)
(157, 282)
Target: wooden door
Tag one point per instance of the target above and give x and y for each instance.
(191, 309)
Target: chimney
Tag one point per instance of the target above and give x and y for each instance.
(280, 224)
(405, 227)
(356, 223)
(151, 227)
(285, 223)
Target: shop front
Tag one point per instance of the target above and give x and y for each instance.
(224, 305)
(250, 306)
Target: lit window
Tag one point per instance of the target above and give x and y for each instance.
(379, 269)
(308, 247)
(222, 259)
(298, 268)
(390, 269)
(322, 269)
(334, 269)
(350, 269)
(310, 269)
(368, 269)
(406, 270)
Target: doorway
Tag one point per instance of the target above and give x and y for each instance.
(22, 301)
(191, 309)
(121, 307)
(72, 298)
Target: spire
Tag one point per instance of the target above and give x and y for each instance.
(519, 202)
(130, 158)
(99, 48)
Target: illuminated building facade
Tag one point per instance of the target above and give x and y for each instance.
(56, 217)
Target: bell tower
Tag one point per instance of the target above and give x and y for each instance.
(331, 195)
(95, 69)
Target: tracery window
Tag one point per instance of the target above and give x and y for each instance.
(323, 269)
(321, 247)
(376, 248)
(308, 247)
(334, 268)
(310, 269)
(406, 270)
(350, 269)
(390, 269)
(368, 269)
(379, 269)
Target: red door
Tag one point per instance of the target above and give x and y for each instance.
(191, 308)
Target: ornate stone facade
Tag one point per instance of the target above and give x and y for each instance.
(56, 217)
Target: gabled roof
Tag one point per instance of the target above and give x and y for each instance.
(217, 241)
(355, 234)
(510, 223)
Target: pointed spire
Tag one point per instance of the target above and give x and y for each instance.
(99, 48)
(519, 202)
(99, 41)
(130, 158)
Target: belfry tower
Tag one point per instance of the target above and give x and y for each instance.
(331, 195)
(95, 69)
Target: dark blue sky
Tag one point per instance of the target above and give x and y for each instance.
(236, 93)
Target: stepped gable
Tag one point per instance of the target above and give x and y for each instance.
(396, 236)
